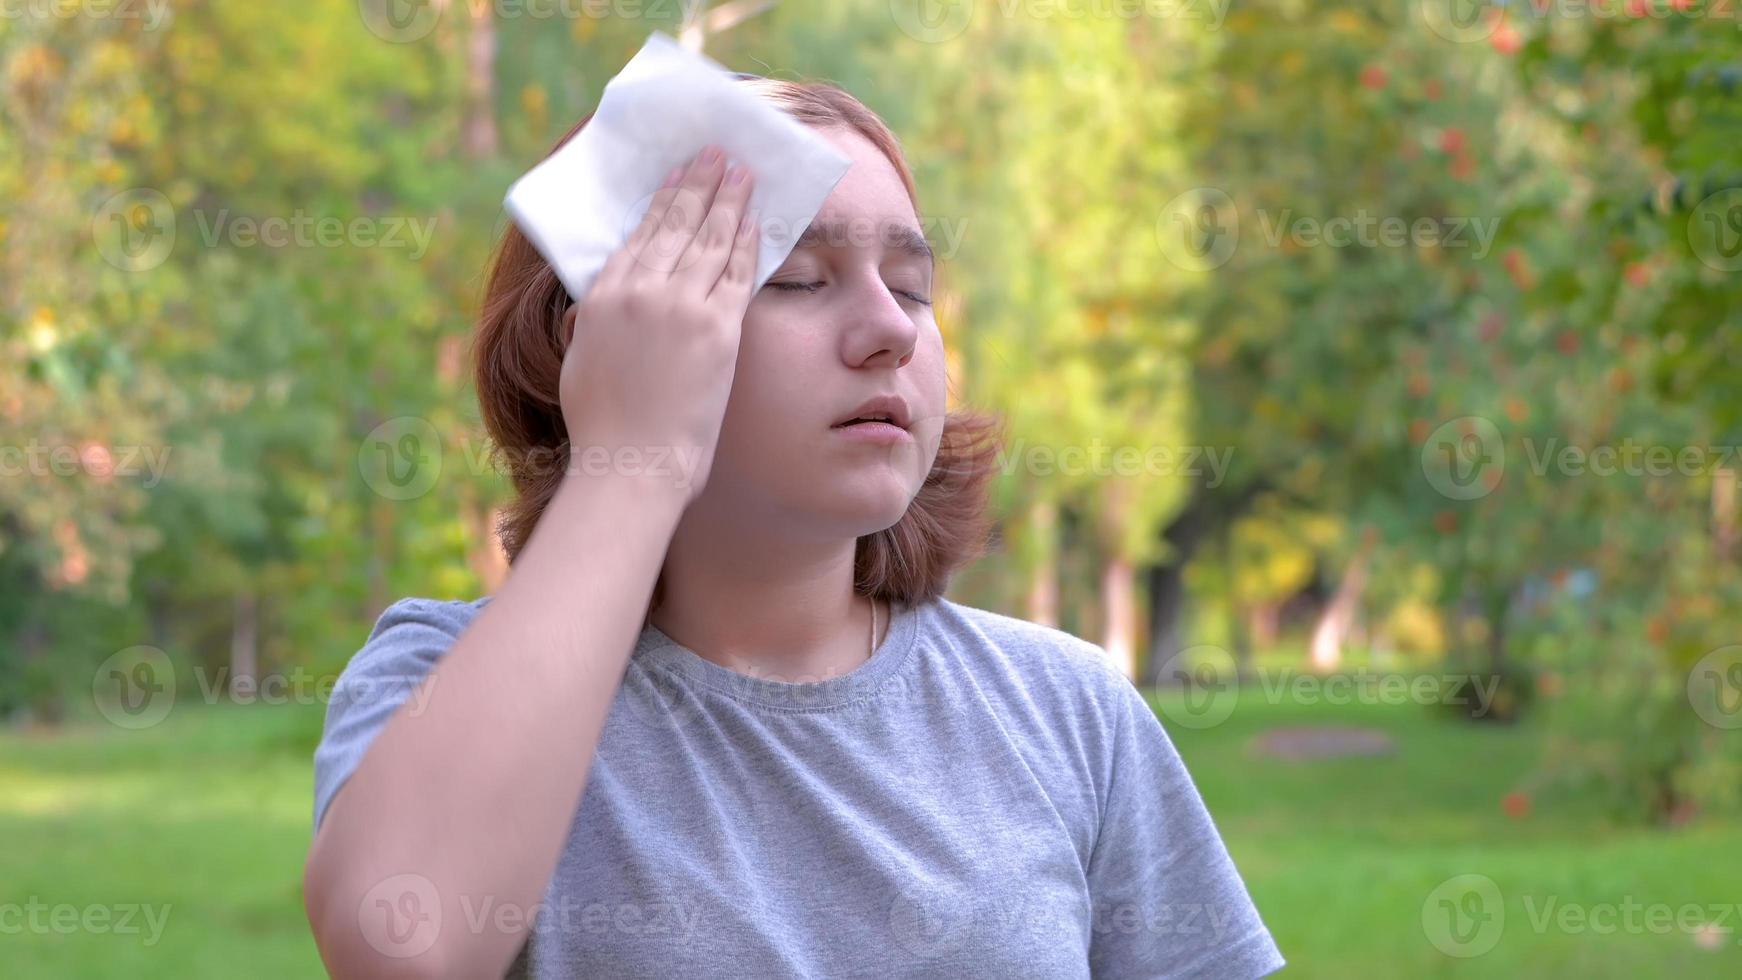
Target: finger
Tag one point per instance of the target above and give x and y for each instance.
(624, 258)
(732, 289)
(700, 266)
(684, 218)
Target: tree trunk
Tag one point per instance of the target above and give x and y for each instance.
(1262, 621)
(1339, 614)
(46, 704)
(699, 23)
(1207, 509)
(1724, 532)
(1167, 607)
(245, 645)
(1119, 614)
(1043, 581)
(478, 131)
(1238, 637)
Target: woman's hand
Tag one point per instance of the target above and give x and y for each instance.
(650, 351)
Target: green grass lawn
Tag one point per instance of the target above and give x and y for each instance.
(1341, 855)
(207, 814)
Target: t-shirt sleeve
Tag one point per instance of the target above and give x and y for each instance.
(407, 640)
(1166, 899)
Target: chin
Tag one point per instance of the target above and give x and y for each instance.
(856, 510)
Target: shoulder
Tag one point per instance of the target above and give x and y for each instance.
(412, 633)
(445, 615)
(1042, 661)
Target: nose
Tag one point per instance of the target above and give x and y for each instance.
(881, 332)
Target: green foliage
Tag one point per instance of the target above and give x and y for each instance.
(1133, 216)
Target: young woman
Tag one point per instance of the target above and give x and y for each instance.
(720, 719)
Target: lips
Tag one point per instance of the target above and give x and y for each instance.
(890, 409)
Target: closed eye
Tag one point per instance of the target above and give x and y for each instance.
(811, 287)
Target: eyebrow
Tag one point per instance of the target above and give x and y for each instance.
(906, 240)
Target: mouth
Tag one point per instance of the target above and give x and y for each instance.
(887, 411)
(872, 430)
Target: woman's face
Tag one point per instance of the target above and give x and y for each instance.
(862, 326)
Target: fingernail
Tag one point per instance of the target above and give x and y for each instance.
(744, 225)
(709, 155)
(672, 178)
(739, 172)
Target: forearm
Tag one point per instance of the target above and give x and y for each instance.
(476, 791)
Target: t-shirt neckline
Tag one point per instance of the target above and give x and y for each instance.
(656, 649)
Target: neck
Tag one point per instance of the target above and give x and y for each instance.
(778, 608)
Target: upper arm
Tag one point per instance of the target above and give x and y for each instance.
(1166, 899)
(387, 672)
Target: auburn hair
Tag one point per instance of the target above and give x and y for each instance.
(517, 357)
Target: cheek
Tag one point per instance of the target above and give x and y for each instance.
(933, 377)
(773, 384)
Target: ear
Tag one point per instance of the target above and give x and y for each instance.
(568, 332)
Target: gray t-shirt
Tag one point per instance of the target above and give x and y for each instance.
(984, 797)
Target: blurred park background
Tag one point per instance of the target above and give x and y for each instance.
(1372, 375)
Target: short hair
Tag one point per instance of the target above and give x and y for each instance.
(517, 359)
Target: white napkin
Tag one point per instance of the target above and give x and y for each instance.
(581, 204)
